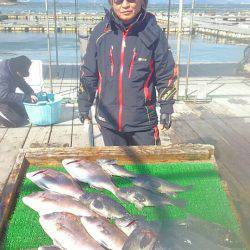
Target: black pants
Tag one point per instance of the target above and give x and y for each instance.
(115, 138)
(12, 116)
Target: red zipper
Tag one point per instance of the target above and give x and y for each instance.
(132, 63)
(111, 61)
(100, 84)
(146, 90)
(123, 45)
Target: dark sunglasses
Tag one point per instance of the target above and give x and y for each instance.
(121, 1)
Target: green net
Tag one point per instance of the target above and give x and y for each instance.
(207, 200)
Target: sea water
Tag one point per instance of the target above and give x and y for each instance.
(34, 45)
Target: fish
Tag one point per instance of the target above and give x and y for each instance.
(45, 202)
(141, 239)
(159, 185)
(89, 172)
(104, 205)
(127, 224)
(112, 168)
(49, 248)
(130, 223)
(54, 181)
(67, 232)
(141, 197)
(105, 233)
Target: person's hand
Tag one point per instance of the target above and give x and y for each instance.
(84, 117)
(165, 122)
(33, 98)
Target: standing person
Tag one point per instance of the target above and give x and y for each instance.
(12, 73)
(126, 60)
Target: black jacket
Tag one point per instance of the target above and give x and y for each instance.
(8, 84)
(126, 66)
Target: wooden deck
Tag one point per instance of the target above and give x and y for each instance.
(224, 122)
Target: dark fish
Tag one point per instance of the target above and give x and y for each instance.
(141, 197)
(103, 205)
(156, 184)
(142, 238)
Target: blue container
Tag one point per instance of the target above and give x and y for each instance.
(46, 111)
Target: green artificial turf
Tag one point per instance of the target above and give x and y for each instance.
(207, 200)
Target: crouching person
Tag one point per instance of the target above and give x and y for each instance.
(12, 73)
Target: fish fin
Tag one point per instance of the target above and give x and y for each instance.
(178, 203)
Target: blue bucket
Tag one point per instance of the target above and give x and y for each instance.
(46, 111)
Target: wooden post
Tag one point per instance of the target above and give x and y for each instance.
(49, 47)
(178, 49)
(189, 48)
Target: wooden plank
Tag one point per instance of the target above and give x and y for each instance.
(9, 193)
(185, 133)
(142, 154)
(225, 153)
(2, 132)
(231, 136)
(241, 125)
(38, 135)
(12, 141)
(62, 133)
(237, 109)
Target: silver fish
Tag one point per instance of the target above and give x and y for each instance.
(48, 202)
(112, 168)
(90, 173)
(54, 181)
(157, 184)
(67, 231)
(144, 198)
(105, 233)
(104, 205)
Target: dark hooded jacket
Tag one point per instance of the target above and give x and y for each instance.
(125, 65)
(9, 81)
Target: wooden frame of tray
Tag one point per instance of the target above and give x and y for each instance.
(124, 155)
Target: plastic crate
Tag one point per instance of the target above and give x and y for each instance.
(46, 111)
